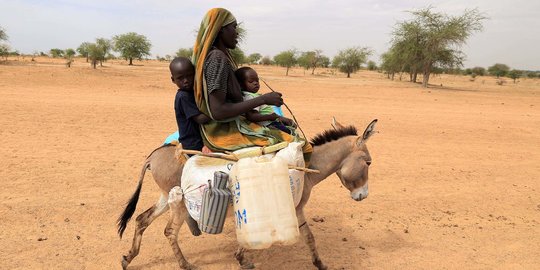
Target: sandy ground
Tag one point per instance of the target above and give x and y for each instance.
(453, 184)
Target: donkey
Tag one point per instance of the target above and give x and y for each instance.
(339, 150)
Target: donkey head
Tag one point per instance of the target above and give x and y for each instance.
(353, 171)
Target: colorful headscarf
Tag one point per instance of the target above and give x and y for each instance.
(212, 22)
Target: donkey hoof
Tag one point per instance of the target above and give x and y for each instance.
(124, 262)
(247, 265)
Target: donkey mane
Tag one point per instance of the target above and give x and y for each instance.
(333, 135)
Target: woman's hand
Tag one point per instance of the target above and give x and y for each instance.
(286, 121)
(273, 98)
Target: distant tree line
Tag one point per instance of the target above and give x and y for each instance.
(427, 44)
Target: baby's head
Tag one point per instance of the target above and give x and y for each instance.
(248, 79)
(182, 73)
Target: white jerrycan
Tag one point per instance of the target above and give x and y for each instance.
(263, 204)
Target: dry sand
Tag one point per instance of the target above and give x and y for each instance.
(453, 184)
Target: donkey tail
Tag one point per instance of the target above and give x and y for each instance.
(124, 218)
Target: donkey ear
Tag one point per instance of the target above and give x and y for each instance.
(370, 130)
(335, 124)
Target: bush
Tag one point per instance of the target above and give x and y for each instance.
(267, 61)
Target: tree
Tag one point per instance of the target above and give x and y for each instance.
(68, 54)
(184, 52)
(480, 71)
(4, 48)
(94, 53)
(83, 50)
(132, 45)
(498, 70)
(515, 74)
(4, 51)
(351, 59)
(238, 55)
(253, 58)
(433, 40)
(391, 63)
(310, 60)
(105, 46)
(56, 52)
(371, 65)
(532, 74)
(325, 61)
(304, 60)
(3, 34)
(168, 57)
(286, 59)
(267, 61)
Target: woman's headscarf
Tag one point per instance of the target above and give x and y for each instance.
(212, 22)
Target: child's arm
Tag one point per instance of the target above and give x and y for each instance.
(192, 112)
(201, 118)
(255, 116)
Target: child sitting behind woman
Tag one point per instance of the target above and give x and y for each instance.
(263, 115)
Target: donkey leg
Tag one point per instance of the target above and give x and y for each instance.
(143, 221)
(309, 239)
(193, 226)
(178, 215)
(244, 263)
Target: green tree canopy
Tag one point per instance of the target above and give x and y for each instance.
(56, 52)
(325, 61)
(238, 56)
(4, 51)
(104, 46)
(253, 58)
(480, 71)
(286, 59)
(94, 53)
(431, 40)
(532, 74)
(311, 60)
(3, 34)
(4, 48)
(498, 70)
(132, 45)
(185, 52)
(83, 50)
(351, 59)
(515, 74)
(371, 65)
(392, 63)
(69, 53)
(267, 61)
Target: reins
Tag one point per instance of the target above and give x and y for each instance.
(295, 120)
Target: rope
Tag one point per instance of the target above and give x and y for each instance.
(297, 123)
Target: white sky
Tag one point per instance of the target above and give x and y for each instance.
(510, 36)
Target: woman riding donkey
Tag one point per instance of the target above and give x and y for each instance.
(218, 93)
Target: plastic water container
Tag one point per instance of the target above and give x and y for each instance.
(263, 204)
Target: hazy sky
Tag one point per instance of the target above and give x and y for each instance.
(510, 36)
